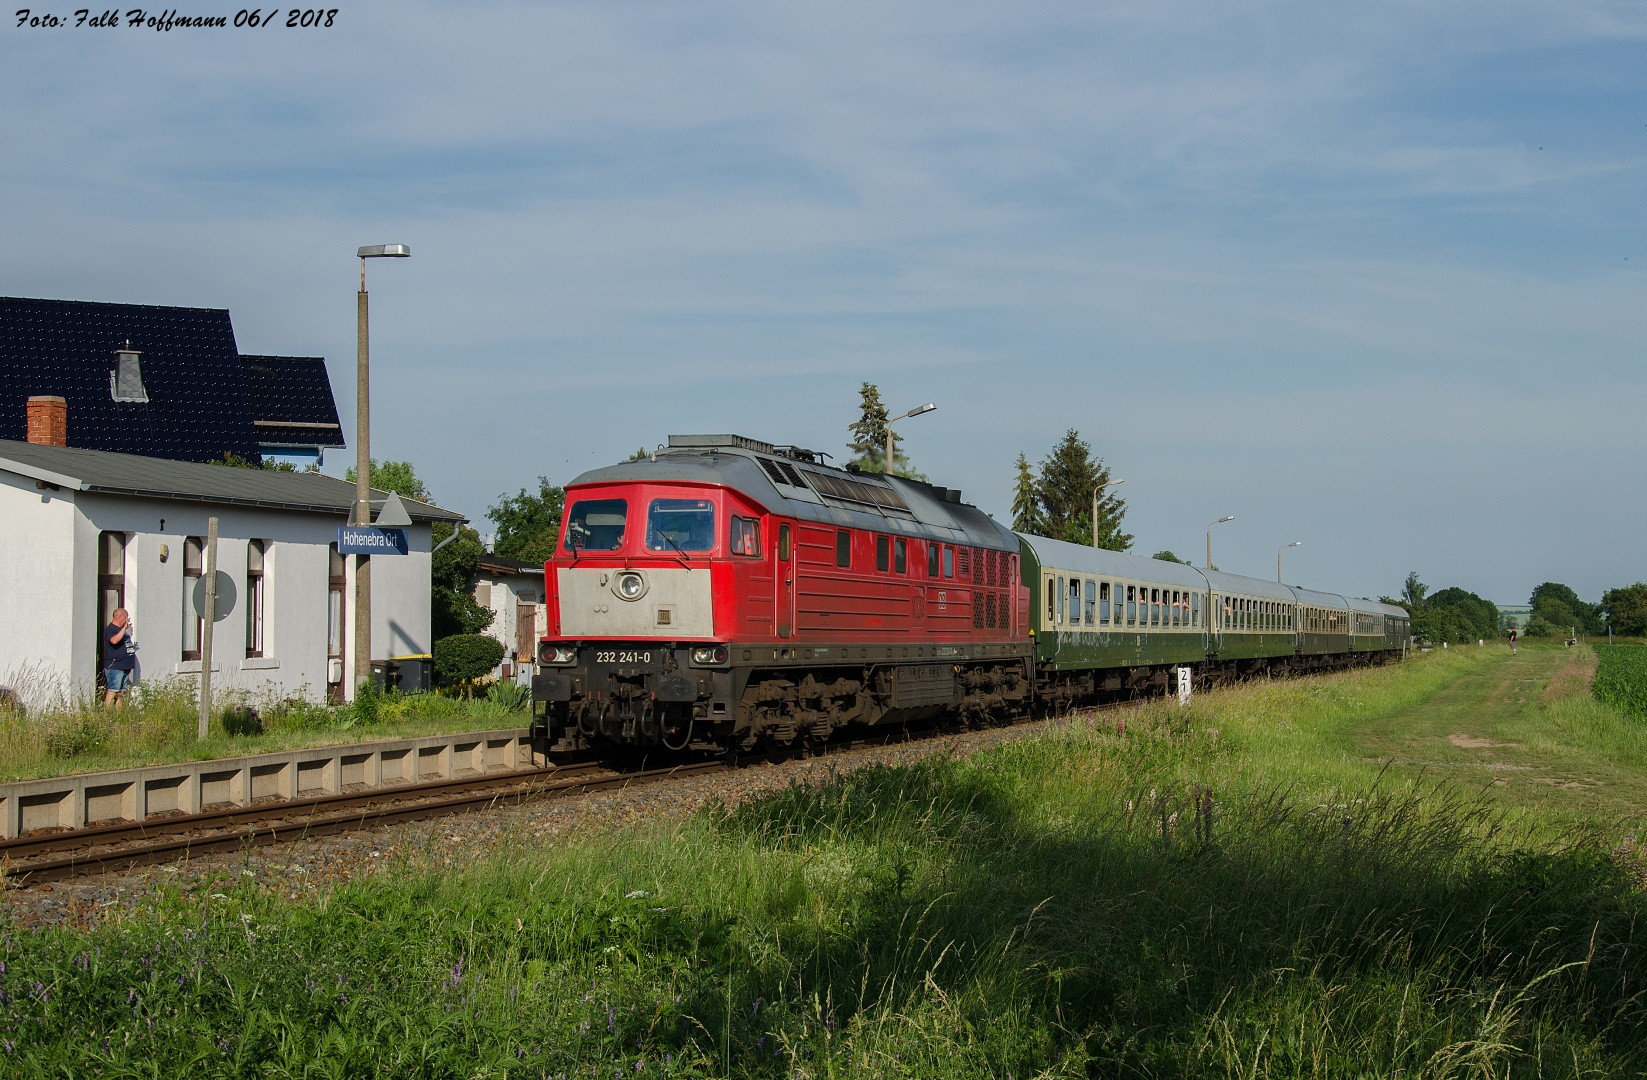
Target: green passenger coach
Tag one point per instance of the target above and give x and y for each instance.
(1109, 621)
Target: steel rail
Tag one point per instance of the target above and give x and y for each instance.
(138, 843)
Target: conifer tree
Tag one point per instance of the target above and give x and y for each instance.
(1064, 488)
(1026, 501)
(868, 443)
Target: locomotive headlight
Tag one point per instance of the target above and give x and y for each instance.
(629, 585)
(550, 653)
(709, 655)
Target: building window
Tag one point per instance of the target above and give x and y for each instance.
(111, 584)
(194, 562)
(255, 551)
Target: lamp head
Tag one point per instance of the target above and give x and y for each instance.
(384, 251)
(1221, 520)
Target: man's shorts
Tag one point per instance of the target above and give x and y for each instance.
(118, 679)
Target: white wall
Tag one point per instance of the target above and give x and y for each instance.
(507, 592)
(48, 589)
(37, 614)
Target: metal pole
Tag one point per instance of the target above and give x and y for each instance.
(1277, 567)
(209, 616)
(363, 490)
(889, 448)
(1095, 492)
(1209, 547)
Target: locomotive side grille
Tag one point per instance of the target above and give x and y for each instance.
(774, 472)
(856, 491)
(963, 563)
(989, 611)
(977, 610)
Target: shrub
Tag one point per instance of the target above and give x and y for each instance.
(1621, 678)
(462, 657)
(512, 697)
(242, 720)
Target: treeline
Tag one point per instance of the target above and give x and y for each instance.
(1452, 615)
(1558, 611)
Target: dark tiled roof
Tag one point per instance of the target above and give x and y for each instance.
(294, 389)
(198, 406)
(127, 474)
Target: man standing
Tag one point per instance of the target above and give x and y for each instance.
(119, 657)
(1512, 641)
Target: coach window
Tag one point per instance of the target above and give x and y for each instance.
(949, 561)
(1060, 601)
(900, 556)
(1132, 606)
(1051, 592)
(1195, 609)
(1155, 607)
(883, 553)
(843, 547)
(1092, 603)
(1180, 616)
(1103, 603)
(1075, 601)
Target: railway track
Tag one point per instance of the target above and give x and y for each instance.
(55, 856)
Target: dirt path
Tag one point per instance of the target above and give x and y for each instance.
(1526, 729)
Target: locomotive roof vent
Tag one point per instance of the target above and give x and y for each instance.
(706, 441)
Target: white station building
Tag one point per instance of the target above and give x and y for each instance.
(83, 532)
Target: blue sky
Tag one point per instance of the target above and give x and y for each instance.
(1371, 278)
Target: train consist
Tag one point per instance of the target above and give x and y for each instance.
(727, 594)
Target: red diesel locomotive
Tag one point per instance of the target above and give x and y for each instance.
(729, 594)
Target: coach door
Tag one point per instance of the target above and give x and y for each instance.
(783, 580)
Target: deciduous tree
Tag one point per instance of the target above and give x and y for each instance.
(1626, 609)
(528, 522)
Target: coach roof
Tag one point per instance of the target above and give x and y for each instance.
(795, 484)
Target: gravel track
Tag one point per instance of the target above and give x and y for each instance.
(305, 870)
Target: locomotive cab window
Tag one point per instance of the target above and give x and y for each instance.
(900, 556)
(596, 525)
(680, 525)
(843, 548)
(746, 537)
(883, 553)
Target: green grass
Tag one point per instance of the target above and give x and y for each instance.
(1236, 889)
(159, 722)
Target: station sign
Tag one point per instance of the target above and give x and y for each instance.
(371, 540)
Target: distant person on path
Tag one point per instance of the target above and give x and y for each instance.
(1512, 641)
(119, 657)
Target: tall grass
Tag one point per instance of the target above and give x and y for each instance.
(1090, 901)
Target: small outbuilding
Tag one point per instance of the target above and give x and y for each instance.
(83, 532)
(513, 590)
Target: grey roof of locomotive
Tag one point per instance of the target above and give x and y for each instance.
(824, 493)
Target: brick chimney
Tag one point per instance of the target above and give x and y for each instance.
(48, 420)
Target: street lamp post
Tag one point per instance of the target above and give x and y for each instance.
(1283, 547)
(363, 460)
(928, 407)
(1220, 521)
(1095, 491)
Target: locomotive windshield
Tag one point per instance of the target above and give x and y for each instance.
(680, 525)
(596, 525)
